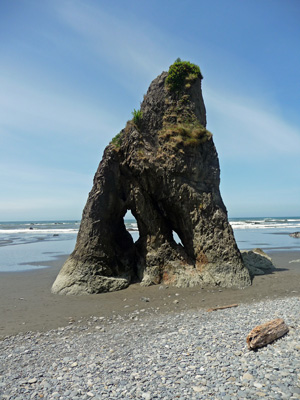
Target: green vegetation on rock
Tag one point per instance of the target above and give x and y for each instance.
(181, 127)
(186, 133)
(117, 140)
(180, 74)
(135, 122)
(137, 116)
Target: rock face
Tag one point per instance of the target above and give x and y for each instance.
(164, 168)
(257, 262)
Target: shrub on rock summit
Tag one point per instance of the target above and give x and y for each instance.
(182, 73)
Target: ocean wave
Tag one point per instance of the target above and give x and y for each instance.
(275, 220)
(71, 227)
(274, 224)
(131, 226)
(35, 231)
(255, 223)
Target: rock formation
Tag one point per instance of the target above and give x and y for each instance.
(164, 168)
(257, 262)
(295, 234)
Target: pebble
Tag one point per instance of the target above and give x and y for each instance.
(257, 385)
(184, 355)
(247, 376)
(198, 389)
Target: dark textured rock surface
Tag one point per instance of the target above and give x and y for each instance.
(295, 234)
(165, 169)
(257, 262)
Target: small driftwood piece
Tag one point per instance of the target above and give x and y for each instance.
(221, 307)
(266, 333)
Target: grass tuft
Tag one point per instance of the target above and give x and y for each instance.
(186, 134)
(137, 117)
(117, 140)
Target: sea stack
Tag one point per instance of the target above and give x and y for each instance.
(164, 168)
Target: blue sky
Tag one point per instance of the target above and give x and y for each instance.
(71, 72)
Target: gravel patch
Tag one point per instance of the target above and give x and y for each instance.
(186, 355)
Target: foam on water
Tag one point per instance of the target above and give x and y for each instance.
(34, 231)
(24, 242)
(265, 223)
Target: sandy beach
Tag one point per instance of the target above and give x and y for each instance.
(27, 304)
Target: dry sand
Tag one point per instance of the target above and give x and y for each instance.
(27, 304)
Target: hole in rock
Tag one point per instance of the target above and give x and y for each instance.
(176, 238)
(131, 225)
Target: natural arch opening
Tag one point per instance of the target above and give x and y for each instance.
(132, 226)
(176, 238)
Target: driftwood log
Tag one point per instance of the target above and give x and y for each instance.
(266, 333)
(221, 307)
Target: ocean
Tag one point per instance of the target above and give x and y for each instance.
(27, 245)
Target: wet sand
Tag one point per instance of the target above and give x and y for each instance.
(27, 304)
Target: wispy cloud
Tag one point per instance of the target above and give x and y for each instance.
(132, 46)
(35, 103)
(246, 127)
(68, 83)
(41, 107)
